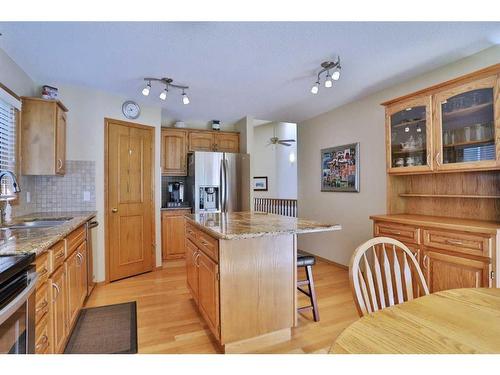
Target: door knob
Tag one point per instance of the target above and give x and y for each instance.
(114, 210)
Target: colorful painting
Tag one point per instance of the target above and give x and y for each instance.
(340, 168)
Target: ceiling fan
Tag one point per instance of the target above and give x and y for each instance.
(283, 142)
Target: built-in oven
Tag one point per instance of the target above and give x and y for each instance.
(17, 304)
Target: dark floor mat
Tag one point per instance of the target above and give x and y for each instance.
(110, 329)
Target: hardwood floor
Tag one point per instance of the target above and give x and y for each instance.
(168, 322)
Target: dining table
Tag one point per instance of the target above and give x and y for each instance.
(456, 321)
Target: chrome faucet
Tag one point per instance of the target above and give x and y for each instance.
(13, 178)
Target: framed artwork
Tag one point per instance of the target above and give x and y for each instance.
(340, 168)
(260, 183)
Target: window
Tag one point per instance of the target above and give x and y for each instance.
(9, 106)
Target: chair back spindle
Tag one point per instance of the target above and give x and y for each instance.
(384, 272)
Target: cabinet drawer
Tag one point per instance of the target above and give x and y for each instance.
(466, 243)
(42, 337)
(42, 266)
(191, 232)
(41, 302)
(208, 245)
(56, 255)
(74, 239)
(403, 233)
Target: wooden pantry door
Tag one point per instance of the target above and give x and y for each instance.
(129, 184)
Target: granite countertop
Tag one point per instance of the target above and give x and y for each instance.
(240, 225)
(38, 240)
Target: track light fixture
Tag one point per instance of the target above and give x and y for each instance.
(327, 66)
(168, 82)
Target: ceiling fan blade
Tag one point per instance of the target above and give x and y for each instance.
(284, 144)
(287, 140)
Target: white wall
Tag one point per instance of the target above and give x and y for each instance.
(14, 78)
(273, 161)
(85, 141)
(361, 121)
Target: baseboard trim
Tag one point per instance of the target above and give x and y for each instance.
(344, 267)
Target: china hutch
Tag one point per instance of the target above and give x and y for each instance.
(443, 179)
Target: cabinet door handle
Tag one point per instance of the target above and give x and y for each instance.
(59, 164)
(204, 243)
(79, 257)
(196, 260)
(425, 262)
(56, 287)
(114, 210)
(437, 159)
(61, 254)
(429, 159)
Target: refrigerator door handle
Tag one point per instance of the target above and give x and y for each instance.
(222, 185)
(225, 184)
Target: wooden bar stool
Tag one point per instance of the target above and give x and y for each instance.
(307, 261)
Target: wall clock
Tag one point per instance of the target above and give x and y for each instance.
(131, 109)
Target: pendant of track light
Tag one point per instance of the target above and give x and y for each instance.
(168, 82)
(163, 95)
(145, 90)
(328, 81)
(326, 67)
(185, 98)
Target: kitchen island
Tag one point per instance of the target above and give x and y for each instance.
(242, 273)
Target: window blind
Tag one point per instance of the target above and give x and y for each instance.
(7, 143)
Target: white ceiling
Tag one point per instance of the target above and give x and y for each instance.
(234, 69)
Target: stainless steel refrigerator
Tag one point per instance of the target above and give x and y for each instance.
(219, 181)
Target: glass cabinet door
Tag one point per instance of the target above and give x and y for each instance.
(466, 116)
(409, 131)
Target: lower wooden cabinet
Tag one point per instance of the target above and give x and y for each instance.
(449, 258)
(208, 292)
(58, 309)
(192, 268)
(203, 281)
(62, 294)
(172, 234)
(445, 271)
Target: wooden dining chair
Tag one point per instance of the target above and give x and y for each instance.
(383, 272)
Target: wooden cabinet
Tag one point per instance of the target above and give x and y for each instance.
(444, 271)
(59, 316)
(61, 292)
(172, 233)
(43, 140)
(452, 253)
(192, 268)
(208, 292)
(72, 287)
(201, 141)
(453, 126)
(467, 126)
(409, 136)
(174, 145)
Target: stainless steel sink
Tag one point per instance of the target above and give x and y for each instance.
(37, 223)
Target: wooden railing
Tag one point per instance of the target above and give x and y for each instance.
(286, 207)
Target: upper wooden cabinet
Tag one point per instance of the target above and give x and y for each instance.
(454, 126)
(43, 137)
(227, 142)
(173, 152)
(201, 141)
(409, 136)
(176, 143)
(467, 122)
(214, 141)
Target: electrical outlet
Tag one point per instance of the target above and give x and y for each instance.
(86, 196)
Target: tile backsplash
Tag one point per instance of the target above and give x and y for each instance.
(75, 191)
